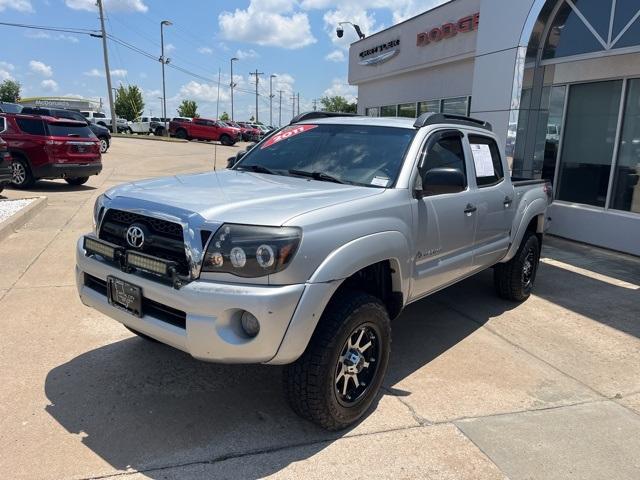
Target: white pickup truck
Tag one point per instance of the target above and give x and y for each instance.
(304, 250)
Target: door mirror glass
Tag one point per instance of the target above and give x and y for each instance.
(441, 180)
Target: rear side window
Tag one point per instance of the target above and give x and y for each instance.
(487, 160)
(32, 126)
(68, 130)
(3, 124)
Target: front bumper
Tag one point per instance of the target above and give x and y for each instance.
(212, 311)
(62, 170)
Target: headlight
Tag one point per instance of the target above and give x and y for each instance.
(251, 251)
(98, 210)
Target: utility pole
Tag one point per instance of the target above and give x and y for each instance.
(280, 109)
(315, 104)
(234, 59)
(107, 71)
(218, 99)
(293, 105)
(164, 61)
(298, 103)
(271, 95)
(257, 75)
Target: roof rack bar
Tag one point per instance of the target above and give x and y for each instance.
(313, 115)
(431, 118)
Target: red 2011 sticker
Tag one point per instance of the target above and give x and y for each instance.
(287, 133)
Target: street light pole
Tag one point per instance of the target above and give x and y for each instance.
(280, 109)
(271, 95)
(164, 61)
(107, 71)
(234, 59)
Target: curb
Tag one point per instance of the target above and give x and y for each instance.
(18, 219)
(149, 137)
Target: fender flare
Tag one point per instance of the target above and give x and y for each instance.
(536, 208)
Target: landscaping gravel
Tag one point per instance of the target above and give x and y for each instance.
(9, 207)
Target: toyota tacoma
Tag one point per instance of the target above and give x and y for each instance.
(310, 243)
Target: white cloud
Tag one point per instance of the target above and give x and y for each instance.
(40, 68)
(284, 82)
(119, 72)
(19, 5)
(7, 66)
(203, 92)
(47, 36)
(5, 75)
(339, 86)
(205, 50)
(169, 47)
(267, 22)
(94, 72)
(110, 5)
(335, 56)
(49, 85)
(244, 54)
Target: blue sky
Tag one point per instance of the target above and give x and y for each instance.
(293, 39)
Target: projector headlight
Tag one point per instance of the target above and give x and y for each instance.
(251, 251)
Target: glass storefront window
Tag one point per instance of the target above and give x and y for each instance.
(407, 110)
(626, 187)
(588, 142)
(432, 106)
(389, 111)
(455, 106)
(372, 112)
(549, 132)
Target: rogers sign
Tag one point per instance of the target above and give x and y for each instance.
(448, 30)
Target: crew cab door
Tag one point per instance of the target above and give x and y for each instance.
(445, 216)
(496, 202)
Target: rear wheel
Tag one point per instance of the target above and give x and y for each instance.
(226, 140)
(21, 173)
(336, 379)
(514, 279)
(77, 180)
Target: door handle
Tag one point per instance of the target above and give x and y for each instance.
(507, 201)
(469, 209)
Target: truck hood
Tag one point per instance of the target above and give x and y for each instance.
(235, 196)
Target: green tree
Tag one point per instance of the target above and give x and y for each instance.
(338, 104)
(9, 91)
(188, 108)
(224, 116)
(129, 103)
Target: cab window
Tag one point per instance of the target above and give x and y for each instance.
(442, 166)
(487, 160)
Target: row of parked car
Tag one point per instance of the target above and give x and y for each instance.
(46, 143)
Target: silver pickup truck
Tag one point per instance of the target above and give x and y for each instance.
(304, 249)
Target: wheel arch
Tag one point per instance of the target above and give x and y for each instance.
(532, 220)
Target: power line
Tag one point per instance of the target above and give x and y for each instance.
(78, 31)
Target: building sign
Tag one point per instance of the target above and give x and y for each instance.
(380, 53)
(448, 30)
(69, 103)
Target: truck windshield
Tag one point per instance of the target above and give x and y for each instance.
(356, 154)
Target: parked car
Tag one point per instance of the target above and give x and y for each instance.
(249, 134)
(102, 133)
(205, 129)
(5, 160)
(47, 147)
(7, 107)
(303, 251)
(100, 118)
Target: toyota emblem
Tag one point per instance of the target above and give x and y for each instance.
(135, 236)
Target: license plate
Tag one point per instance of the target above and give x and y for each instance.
(124, 295)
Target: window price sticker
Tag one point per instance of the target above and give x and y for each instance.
(482, 160)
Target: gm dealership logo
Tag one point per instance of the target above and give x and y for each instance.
(380, 53)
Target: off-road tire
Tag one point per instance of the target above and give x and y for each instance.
(77, 180)
(511, 280)
(26, 179)
(226, 140)
(310, 382)
(142, 335)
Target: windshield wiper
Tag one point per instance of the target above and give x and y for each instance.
(316, 176)
(257, 169)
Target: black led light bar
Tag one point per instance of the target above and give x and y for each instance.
(104, 249)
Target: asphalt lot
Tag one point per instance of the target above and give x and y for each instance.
(478, 388)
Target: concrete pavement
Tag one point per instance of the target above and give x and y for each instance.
(477, 387)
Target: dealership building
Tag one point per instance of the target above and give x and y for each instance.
(559, 80)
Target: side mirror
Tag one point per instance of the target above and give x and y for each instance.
(231, 161)
(438, 181)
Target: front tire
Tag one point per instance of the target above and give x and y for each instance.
(336, 379)
(104, 145)
(21, 173)
(77, 181)
(514, 279)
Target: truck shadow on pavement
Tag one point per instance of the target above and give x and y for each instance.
(46, 186)
(147, 407)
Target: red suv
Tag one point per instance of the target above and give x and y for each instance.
(5, 161)
(47, 147)
(205, 129)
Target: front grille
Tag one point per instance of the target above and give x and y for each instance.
(162, 312)
(164, 239)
